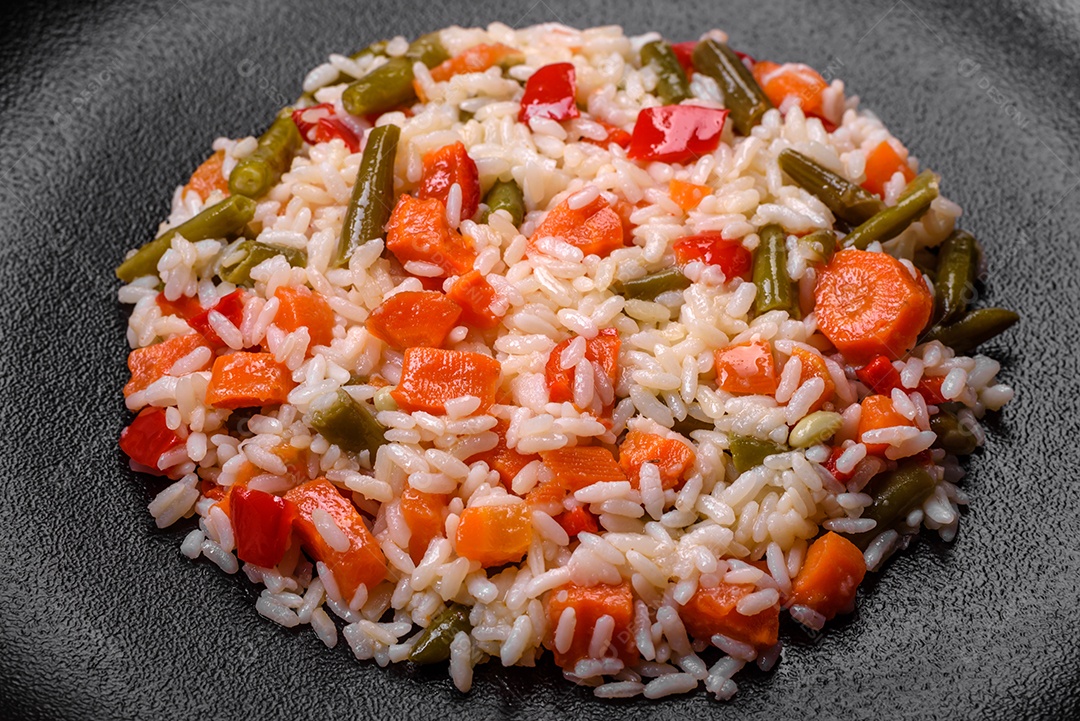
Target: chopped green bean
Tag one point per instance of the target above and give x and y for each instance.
(845, 199)
(958, 260)
(952, 435)
(222, 220)
(250, 253)
(254, 175)
(742, 95)
(346, 423)
(506, 195)
(391, 84)
(822, 243)
(692, 423)
(433, 646)
(815, 428)
(775, 291)
(373, 193)
(749, 452)
(652, 285)
(890, 222)
(671, 83)
(974, 329)
(895, 495)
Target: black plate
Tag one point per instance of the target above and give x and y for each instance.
(105, 108)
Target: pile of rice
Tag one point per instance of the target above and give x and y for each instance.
(665, 544)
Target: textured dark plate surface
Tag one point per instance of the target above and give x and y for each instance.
(105, 108)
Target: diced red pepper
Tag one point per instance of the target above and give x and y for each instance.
(746, 58)
(448, 165)
(319, 124)
(684, 53)
(550, 92)
(676, 133)
(184, 307)
(615, 134)
(830, 466)
(231, 306)
(711, 247)
(577, 520)
(148, 438)
(262, 525)
(881, 377)
(930, 388)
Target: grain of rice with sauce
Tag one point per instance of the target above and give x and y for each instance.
(629, 426)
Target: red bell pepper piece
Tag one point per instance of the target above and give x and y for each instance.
(676, 133)
(615, 134)
(448, 165)
(830, 466)
(231, 306)
(577, 520)
(880, 375)
(319, 124)
(550, 92)
(185, 307)
(262, 524)
(684, 53)
(711, 247)
(148, 438)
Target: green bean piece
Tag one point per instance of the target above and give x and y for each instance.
(775, 289)
(845, 199)
(222, 220)
(952, 435)
(974, 329)
(346, 423)
(390, 85)
(749, 452)
(956, 267)
(692, 423)
(671, 83)
(257, 173)
(254, 253)
(742, 95)
(506, 195)
(822, 243)
(433, 646)
(373, 193)
(815, 428)
(895, 494)
(376, 48)
(653, 284)
(890, 222)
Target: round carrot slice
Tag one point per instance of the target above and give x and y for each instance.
(869, 304)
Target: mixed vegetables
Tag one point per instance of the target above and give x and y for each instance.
(870, 306)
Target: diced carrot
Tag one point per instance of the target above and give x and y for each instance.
(882, 163)
(476, 59)
(363, 562)
(603, 349)
(590, 604)
(575, 467)
(248, 380)
(443, 168)
(747, 368)
(594, 228)
(687, 195)
(494, 535)
(869, 304)
(414, 318)
(208, 177)
(417, 230)
(673, 458)
(877, 413)
(506, 461)
(813, 365)
(230, 307)
(184, 307)
(150, 363)
(830, 574)
(423, 514)
(475, 295)
(547, 496)
(713, 610)
(430, 377)
(578, 520)
(792, 80)
(615, 134)
(301, 308)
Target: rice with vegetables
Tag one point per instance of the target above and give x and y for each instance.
(506, 342)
